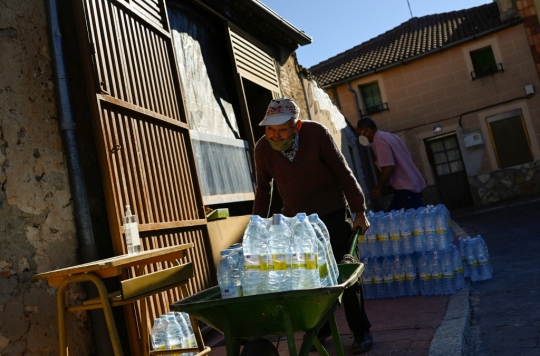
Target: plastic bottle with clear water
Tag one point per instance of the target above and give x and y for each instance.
(388, 277)
(189, 335)
(372, 242)
(419, 236)
(399, 276)
(472, 262)
(461, 249)
(430, 229)
(484, 266)
(382, 235)
(424, 269)
(458, 267)
(449, 277)
(131, 231)
(405, 231)
(396, 243)
(378, 281)
(305, 271)
(279, 263)
(174, 333)
(325, 261)
(367, 279)
(314, 219)
(255, 252)
(158, 335)
(436, 273)
(411, 275)
(228, 276)
(362, 247)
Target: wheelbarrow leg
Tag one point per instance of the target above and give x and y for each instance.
(288, 328)
(232, 343)
(335, 336)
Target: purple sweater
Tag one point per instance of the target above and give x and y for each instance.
(316, 181)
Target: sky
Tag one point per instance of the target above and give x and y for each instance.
(338, 25)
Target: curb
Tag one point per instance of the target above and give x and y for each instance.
(453, 335)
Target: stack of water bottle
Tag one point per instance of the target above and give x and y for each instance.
(278, 254)
(412, 252)
(173, 331)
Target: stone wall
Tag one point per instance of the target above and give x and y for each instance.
(37, 228)
(517, 182)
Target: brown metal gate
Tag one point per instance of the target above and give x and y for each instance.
(142, 136)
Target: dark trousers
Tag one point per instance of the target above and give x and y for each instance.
(339, 225)
(405, 199)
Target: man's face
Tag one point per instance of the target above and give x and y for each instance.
(280, 132)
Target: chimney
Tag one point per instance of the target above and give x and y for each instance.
(507, 9)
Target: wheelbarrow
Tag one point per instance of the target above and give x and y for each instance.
(256, 316)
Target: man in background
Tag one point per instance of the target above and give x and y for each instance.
(395, 164)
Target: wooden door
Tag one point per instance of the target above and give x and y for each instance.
(145, 151)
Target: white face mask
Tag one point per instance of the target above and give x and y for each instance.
(363, 140)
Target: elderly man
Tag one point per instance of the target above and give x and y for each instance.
(312, 177)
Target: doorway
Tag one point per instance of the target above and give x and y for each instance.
(444, 156)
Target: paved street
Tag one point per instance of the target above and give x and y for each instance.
(505, 311)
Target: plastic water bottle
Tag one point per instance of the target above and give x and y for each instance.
(484, 266)
(373, 243)
(424, 269)
(279, 263)
(472, 262)
(228, 276)
(458, 268)
(255, 251)
(382, 235)
(396, 243)
(461, 248)
(131, 231)
(419, 237)
(158, 335)
(314, 219)
(399, 276)
(430, 229)
(449, 280)
(388, 278)
(411, 275)
(305, 271)
(362, 246)
(189, 335)
(325, 261)
(378, 281)
(367, 279)
(174, 333)
(436, 273)
(405, 231)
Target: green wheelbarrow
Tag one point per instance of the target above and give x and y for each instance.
(282, 313)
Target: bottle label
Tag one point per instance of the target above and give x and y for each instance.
(394, 236)
(410, 276)
(263, 262)
(367, 279)
(232, 292)
(382, 237)
(361, 238)
(311, 261)
(400, 277)
(252, 262)
(323, 271)
(436, 275)
(425, 276)
(132, 234)
(377, 278)
(448, 273)
(280, 262)
(388, 277)
(298, 261)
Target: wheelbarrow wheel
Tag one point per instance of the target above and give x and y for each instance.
(259, 347)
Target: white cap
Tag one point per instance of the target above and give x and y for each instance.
(280, 111)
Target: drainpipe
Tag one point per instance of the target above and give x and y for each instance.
(86, 244)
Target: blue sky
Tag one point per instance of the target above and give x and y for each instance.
(338, 25)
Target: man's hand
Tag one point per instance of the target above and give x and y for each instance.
(361, 221)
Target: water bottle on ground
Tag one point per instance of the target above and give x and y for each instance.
(388, 278)
(174, 333)
(436, 273)
(396, 243)
(458, 268)
(399, 276)
(411, 275)
(255, 251)
(305, 271)
(158, 336)
(187, 328)
(405, 231)
(378, 281)
(484, 266)
(472, 262)
(228, 276)
(382, 235)
(461, 249)
(314, 219)
(449, 280)
(424, 269)
(367, 279)
(279, 263)
(430, 229)
(419, 237)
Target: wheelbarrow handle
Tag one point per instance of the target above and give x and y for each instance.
(354, 240)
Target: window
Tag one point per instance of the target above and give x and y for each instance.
(371, 95)
(510, 138)
(483, 62)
